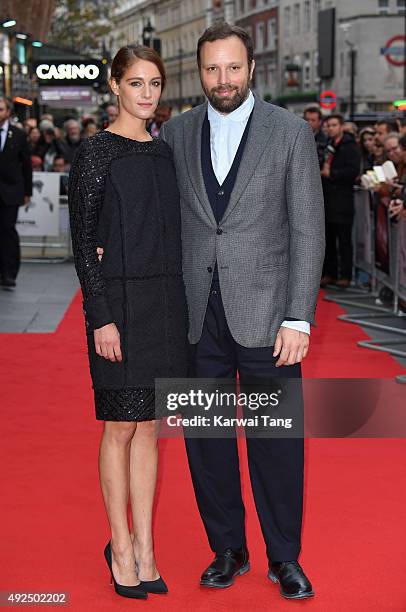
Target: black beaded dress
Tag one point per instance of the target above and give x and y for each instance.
(123, 196)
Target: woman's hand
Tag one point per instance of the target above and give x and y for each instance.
(395, 208)
(107, 342)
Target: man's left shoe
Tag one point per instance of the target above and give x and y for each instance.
(293, 582)
(225, 567)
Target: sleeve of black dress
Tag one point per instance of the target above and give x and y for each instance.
(85, 196)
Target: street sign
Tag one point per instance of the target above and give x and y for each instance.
(328, 99)
(394, 52)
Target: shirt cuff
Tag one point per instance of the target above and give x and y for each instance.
(302, 326)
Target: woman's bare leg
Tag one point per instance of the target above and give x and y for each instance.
(143, 472)
(114, 468)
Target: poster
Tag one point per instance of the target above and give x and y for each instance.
(40, 217)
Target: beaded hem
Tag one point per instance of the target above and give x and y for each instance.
(137, 404)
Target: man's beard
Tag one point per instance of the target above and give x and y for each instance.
(224, 105)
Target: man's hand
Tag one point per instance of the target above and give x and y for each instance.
(107, 342)
(27, 200)
(291, 346)
(100, 252)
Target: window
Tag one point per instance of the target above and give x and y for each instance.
(272, 34)
(383, 7)
(316, 14)
(306, 16)
(259, 36)
(296, 19)
(401, 6)
(242, 7)
(286, 21)
(306, 71)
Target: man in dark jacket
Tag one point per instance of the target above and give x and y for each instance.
(314, 118)
(340, 169)
(15, 190)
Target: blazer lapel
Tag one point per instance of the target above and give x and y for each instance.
(259, 134)
(7, 142)
(192, 133)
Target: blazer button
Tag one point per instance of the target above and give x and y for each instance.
(210, 269)
(219, 231)
(221, 192)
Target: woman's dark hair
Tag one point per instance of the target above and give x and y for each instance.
(367, 131)
(127, 55)
(225, 30)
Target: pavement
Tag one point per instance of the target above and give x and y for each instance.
(40, 300)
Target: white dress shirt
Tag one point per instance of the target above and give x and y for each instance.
(3, 133)
(225, 136)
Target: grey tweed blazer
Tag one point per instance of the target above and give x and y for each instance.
(271, 249)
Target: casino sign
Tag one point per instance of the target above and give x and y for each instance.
(70, 72)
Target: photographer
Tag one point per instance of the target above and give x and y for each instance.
(340, 169)
(397, 205)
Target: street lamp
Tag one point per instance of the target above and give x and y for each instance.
(353, 55)
(147, 33)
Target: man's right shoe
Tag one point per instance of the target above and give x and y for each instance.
(293, 582)
(7, 281)
(225, 567)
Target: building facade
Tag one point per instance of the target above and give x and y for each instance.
(260, 19)
(179, 26)
(285, 35)
(374, 29)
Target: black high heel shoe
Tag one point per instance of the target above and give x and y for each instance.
(133, 592)
(157, 587)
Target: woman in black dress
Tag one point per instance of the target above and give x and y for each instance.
(124, 198)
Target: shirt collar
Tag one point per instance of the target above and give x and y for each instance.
(5, 127)
(239, 115)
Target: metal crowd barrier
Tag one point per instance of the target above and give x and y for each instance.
(380, 251)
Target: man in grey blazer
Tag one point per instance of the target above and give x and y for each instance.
(253, 247)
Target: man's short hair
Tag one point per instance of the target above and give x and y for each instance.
(223, 30)
(71, 123)
(391, 125)
(7, 102)
(391, 135)
(402, 142)
(313, 109)
(337, 116)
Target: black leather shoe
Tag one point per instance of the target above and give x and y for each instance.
(293, 582)
(225, 567)
(7, 281)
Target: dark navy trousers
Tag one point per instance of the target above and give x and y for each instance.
(275, 464)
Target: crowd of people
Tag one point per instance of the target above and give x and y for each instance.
(52, 148)
(345, 153)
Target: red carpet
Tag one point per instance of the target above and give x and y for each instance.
(53, 521)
